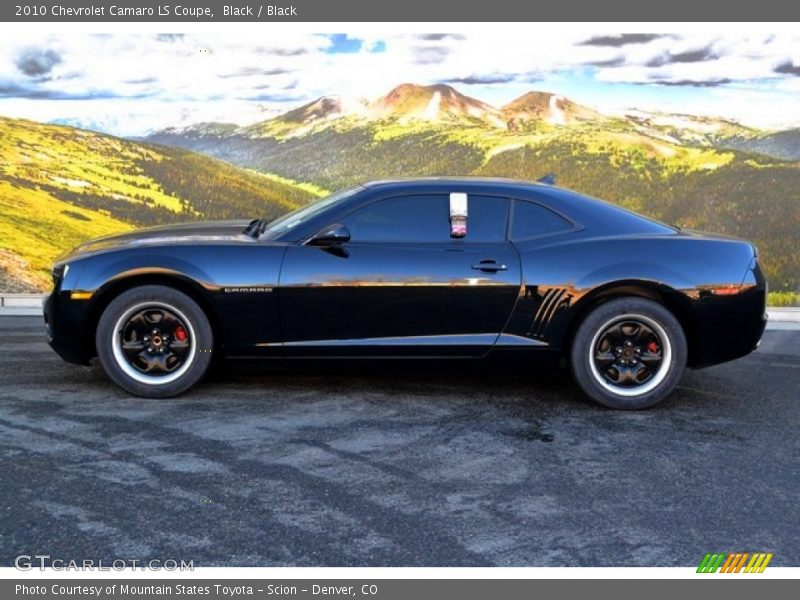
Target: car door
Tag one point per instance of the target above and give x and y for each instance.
(402, 285)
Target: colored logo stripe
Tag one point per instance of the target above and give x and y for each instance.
(758, 563)
(710, 563)
(734, 562)
(726, 567)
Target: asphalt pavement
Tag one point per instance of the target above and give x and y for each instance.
(404, 464)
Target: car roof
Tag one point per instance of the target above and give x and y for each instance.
(412, 183)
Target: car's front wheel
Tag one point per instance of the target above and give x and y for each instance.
(154, 341)
(629, 353)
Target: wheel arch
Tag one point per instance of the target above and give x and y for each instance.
(106, 294)
(668, 297)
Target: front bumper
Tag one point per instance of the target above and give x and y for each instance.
(66, 327)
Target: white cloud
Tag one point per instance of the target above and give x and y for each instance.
(130, 84)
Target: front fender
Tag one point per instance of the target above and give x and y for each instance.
(104, 271)
(222, 278)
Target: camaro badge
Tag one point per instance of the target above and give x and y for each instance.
(238, 290)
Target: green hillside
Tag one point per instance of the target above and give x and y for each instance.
(60, 186)
(779, 144)
(656, 165)
(750, 197)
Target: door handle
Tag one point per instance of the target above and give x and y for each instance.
(489, 266)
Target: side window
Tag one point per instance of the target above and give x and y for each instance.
(427, 219)
(402, 219)
(531, 219)
(487, 218)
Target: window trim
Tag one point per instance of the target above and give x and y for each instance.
(575, 226)
(450, 240)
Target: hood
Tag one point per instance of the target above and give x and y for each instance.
(193, 233)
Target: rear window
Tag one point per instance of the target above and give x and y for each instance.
(530, 220)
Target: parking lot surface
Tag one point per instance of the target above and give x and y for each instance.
(368, 464)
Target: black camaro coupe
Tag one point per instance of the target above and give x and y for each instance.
(451, 267)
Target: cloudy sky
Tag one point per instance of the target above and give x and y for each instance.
(131, 84)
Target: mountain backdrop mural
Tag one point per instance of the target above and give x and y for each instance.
(694, 172)
(60, 186)
(200, 129)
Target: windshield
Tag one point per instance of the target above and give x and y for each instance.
(287, 222)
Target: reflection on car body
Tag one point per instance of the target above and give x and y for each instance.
(382, 270)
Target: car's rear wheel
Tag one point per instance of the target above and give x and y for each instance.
(154, 341)
(629, 353)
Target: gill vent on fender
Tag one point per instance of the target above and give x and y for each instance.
(553, 300)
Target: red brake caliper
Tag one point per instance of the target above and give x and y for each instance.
(180, 333)
(652, 347)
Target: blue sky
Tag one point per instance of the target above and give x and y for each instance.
(130, 84)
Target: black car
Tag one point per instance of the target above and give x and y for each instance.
(450, 267)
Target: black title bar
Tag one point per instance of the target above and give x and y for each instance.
(731, 588)
(407, 10)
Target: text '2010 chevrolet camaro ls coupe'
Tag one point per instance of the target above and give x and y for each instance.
(450, 267)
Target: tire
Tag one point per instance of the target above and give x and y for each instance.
(154, 341)
(625, 368)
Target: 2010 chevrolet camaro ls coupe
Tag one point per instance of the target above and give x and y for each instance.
(424, 268)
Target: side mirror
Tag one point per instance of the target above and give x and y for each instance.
(331, 235)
